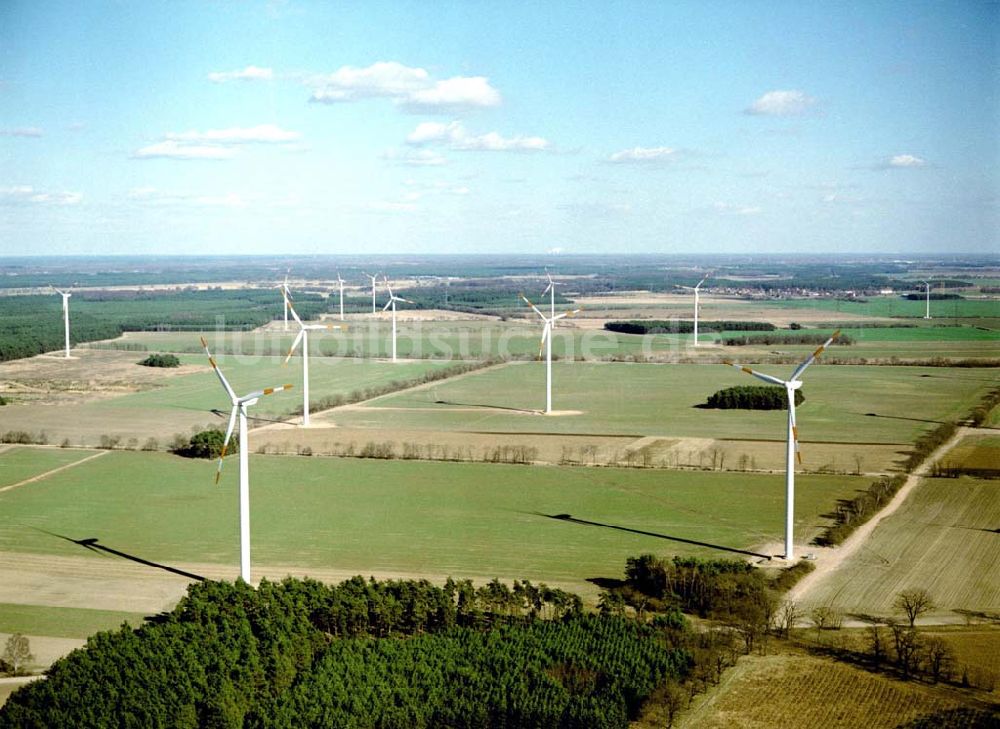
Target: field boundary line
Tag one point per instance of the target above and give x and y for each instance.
(830, 561)
(45, 475)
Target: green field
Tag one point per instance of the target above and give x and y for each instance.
(646, 399)
(893, 306)
(19, 463)
(62, 622)
(943, 538)
(404, 517)
(182, 402)
(520, 338)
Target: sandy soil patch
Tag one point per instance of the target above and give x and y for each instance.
(91, 375)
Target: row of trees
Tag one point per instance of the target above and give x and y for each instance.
(364, 653)
(785, 339)
(684, 326)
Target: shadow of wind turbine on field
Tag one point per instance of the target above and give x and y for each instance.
(92, 543)
(682, 540)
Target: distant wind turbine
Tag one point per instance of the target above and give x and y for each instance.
(927, 310)
(551, 291)
(303, 336)
(696, 290)
(392, 302)
(547, 344)
(340, 281)
(65, 301)
(374, 278)
(240, 405)
(286, 295)
(792, 435)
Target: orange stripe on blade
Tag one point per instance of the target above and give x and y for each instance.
(211, 361)
(747, 370)
(268, 390)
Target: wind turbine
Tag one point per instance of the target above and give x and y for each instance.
(65, 296)
(303, 336)
(551, 291)
(792, 436)
(547, 343)
(927, 310)
(374, 278)
(696, 289)
(340, 281)
(240, 405)
(286, 294)
(392, 302)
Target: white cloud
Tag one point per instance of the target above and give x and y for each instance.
(427, 132)
(409, 87)
(460, 92)
(415, 157)
(723, 208)
(644, 155)
(457, 138)
(250, 73)
(172, 149)
(260, 134)
(214, 143)
(905, 161)
(383, 206)
(154, 196)
(21, 132)
(381, 79)
(26, 194)
(781, 103)
(418, 189)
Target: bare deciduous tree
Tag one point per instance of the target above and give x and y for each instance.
(940, 658)
(788, 615)
(17, 652)
(914, 601)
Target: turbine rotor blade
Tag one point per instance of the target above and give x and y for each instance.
(265, 391)
(294, 313)
(295, 343)
(528, 302)
(225, 442)
(218, 372)
(755, 373)
(388, 304)
(546, 333)
(812, 357)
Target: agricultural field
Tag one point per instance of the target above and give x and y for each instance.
(976, 453)
(19, 463)
(333, 518)
(943, 538)
(661, 400)
(795, 691)
(140, 403)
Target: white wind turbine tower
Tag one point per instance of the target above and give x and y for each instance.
(303, 336)
(547, 343)
(240, 405)
(792, 436)
(340, 282)
(927, 310)
(286, 294)
(696, 290)
(65, 296)
(392, 302)
(374, 278)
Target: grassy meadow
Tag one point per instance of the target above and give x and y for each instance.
(408, 517)
(662, 400)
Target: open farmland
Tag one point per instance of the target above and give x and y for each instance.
(142, 402)
(662, 400)
(943, 538)
(803, 692)
(18, 464)
(351, 516)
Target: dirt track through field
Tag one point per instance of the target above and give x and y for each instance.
(45, 475)
(829, 560)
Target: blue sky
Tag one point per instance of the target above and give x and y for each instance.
(649, 127)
